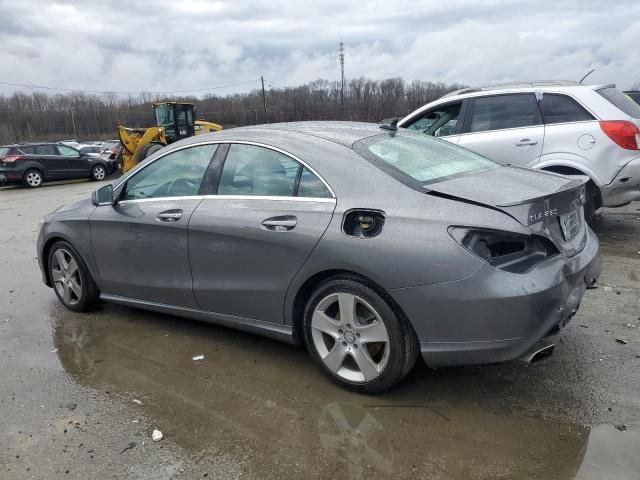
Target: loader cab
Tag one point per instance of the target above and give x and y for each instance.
(177, 119)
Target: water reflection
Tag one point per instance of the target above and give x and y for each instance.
(349, 432)
(265, 404)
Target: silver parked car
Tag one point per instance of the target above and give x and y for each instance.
(558, 126)
(368, 244)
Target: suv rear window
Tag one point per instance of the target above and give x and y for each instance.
(562, 109)
(416, 159)
(621, 101)
(5, 151)
(504, 111)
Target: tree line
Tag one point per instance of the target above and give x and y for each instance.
(40, 116)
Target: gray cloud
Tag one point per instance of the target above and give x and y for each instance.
(169, 45)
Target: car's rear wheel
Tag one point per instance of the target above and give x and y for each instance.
(32, 178)
(71, 279)
(98, 172)
(356, 337)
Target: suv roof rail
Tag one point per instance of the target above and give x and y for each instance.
(499, 86)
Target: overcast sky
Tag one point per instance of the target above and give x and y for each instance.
(137, 45)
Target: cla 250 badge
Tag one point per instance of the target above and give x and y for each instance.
(547, 213)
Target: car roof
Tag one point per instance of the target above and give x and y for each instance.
(540, 86)
(339, 132)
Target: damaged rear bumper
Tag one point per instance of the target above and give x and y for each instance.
(495, 316)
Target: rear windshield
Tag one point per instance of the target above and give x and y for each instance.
(621, 101)
(419, 159)
(4, 151)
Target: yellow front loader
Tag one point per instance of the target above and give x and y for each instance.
(174, 121)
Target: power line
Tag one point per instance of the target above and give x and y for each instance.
(103, 92)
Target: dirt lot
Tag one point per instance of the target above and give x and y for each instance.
(81, 394)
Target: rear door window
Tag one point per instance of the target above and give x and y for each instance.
(504, 111)
(311, 186)
(620, 100)
(46, 150)
(253, 170)
(558, 108)
(439, 122)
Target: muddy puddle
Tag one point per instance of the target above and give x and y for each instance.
(265, 405)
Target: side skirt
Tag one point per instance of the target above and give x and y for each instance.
(283, 333)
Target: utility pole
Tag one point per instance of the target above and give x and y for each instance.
(264, 101)
(73, 122)
(341, 57)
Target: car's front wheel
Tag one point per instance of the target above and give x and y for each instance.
(32, 178)
(71, 279)
(356, 337)
(98, 172)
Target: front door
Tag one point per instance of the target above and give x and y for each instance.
(141, 243)
(247, 242)
(505, 128)
(443, 121)
(71, 163)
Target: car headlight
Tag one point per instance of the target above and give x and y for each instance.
(512, 252)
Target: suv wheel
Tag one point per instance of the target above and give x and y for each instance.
(71, 279)
(98, 172)
(32, 178)
(356, 338)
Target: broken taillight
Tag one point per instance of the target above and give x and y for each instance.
(512, 252)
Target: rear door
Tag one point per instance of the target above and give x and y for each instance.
(140, 244)
(506, 128)
(443, 121)
(247, 241)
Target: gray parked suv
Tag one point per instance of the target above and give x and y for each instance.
(560, 126)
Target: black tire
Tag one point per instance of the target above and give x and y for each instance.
(32, 178)
(403, 347)
(149, 149)
(98, 172)
(89, 296)
(593, 201)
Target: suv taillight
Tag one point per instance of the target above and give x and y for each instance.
(10, 158)
(625, 134)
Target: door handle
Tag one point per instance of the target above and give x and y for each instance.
(525, 141)
(170, 216)
(283, 223)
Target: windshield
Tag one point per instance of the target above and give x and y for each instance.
(164, 115)
(4, 151)
(418, 159)
(620, 100)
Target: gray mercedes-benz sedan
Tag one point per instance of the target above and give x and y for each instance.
(367, 244)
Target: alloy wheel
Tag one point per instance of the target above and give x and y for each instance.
(66, 278)
(34, 179)
(350, 337)
(98, 173)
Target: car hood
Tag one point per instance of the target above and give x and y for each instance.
(529, 196)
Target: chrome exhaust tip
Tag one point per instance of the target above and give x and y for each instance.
(538, 352)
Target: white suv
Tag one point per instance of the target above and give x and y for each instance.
(563, 127)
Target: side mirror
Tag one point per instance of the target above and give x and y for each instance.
(102, 196)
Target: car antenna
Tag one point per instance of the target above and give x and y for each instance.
(393, 126)
(588, 73)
